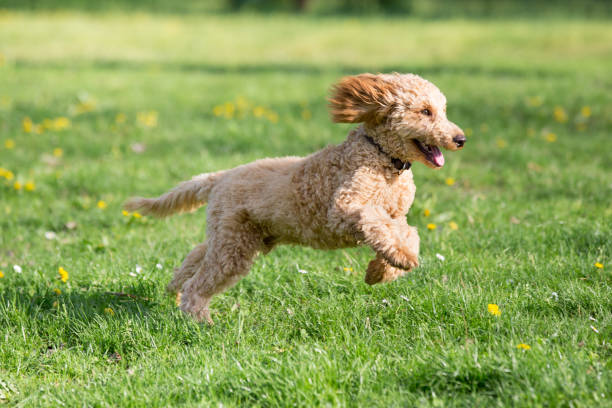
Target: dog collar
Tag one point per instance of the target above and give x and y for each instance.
(397, 163)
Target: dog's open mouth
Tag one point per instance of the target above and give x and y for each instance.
(432, 153)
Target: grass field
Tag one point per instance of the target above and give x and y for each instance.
(94, 109)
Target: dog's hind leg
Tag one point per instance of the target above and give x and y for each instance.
(192, 263)
(232, 245)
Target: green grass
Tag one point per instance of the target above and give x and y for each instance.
(534, 216)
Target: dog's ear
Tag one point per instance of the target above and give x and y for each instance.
(360, 98)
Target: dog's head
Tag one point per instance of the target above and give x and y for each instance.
(404, 114)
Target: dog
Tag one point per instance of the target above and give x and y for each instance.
(355, 193)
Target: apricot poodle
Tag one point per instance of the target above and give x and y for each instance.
(355, 193)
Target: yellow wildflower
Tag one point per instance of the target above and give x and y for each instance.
(7, 174)
(272, 117)
(523, 346)
(58, 152)
(125, 213)
(598, 265)
(494, 309)
(259, 111)
(136, 215)
(453, 225)
(109, 311)
(85, 106)
(57, 291)
(27, 124)
(1, 274)
(102, 204)
(501, 143)
(55, 304)
(9, 144)
(120, 118)
(551, 137)
(431, 227)
(61, 123)
(426, 212)
(147, 119)
(47, 123)
(559, 114)
(449, 181)
(585, 111)
(534, 101)
(29, 186)
(38, 129)
(17, 185)
(63, 274)
(348, 269)
(218, 110)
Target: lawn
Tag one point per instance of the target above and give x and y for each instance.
(96, 108)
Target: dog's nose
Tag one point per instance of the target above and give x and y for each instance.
(459, 140)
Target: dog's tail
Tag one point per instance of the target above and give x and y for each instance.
(187, 196)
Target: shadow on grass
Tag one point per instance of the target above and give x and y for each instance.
(283, 68)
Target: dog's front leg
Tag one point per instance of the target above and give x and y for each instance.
(392, 238)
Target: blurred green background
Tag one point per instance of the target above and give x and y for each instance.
(416, 8)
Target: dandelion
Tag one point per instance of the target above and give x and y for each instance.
(147, 119)
(120, 118)
(523, 346)
(431, 227)
(9, 144)
(27, 125)
(453, 225)
(559, 114)
(599, 265)
(125, 213)
(136, 215)
(17, 185)
(449, 181)
(259, 111)
(61, 123)
(426, 212)
(7, 174)
(272, 117)
(47, 123)
(57, 291)
(63, 274)
(29, 186)
(551, 137)
(348, 269)
(58, 152)
(501, 143)
(218, 110)
(102, 205)
(109, 311)
(17, 268)
(1, 274)
(534, 101)
(585, 111)
(494, 309)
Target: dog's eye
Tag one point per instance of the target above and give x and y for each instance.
(426, 112)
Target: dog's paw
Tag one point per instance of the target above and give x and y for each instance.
(380, 271)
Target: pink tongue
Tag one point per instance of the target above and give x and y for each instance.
(437, 156)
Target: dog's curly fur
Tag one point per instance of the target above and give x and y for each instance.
(342, 196)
